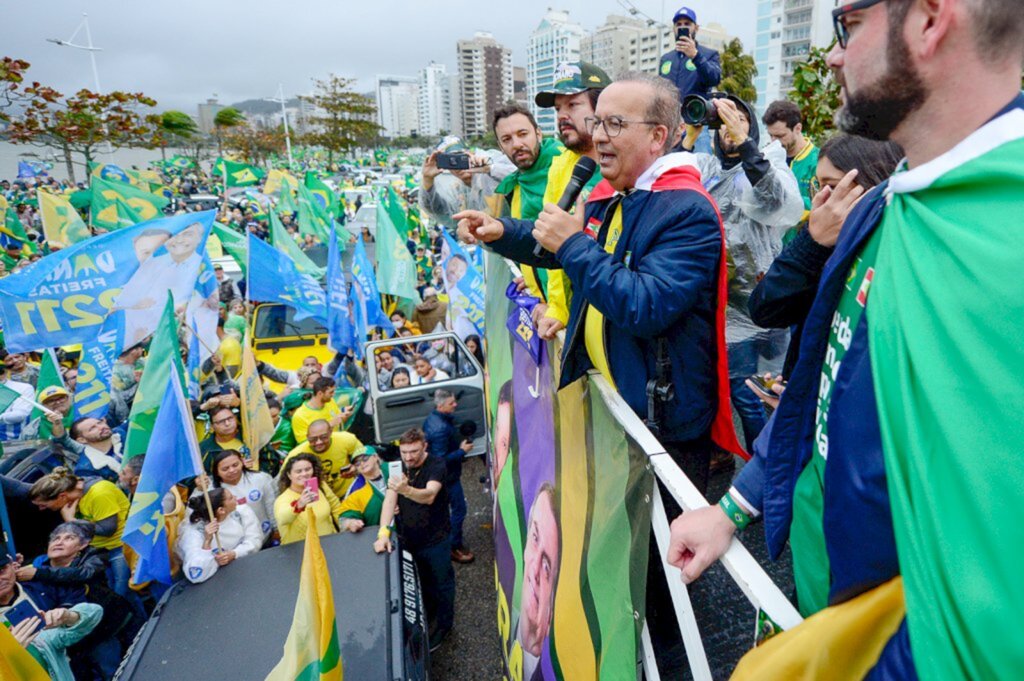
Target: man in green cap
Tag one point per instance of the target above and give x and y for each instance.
(283, 438)
(574, 98)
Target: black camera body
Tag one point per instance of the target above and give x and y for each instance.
(682, 32)
(457, 161)
(699, 111)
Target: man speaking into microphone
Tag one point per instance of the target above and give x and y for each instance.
(646, 263)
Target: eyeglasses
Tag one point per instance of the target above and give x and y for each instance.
(839, 24)
(612, 125)
(224, 421)
(319, 438)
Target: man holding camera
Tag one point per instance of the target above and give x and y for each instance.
(573, 97)
(758, 198)
(647, 266)
(692, 68)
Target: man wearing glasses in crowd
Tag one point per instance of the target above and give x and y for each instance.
(891, 464)
(646, 263)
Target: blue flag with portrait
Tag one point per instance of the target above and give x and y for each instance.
(173, 455)
(464, 285)
(340, 329)
(112, 281)
(279, 281)
(366, 293)
(95, 370)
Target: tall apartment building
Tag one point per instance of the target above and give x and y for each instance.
(554, 41)
(397, 105)
(786, 31)
(434, 103)
(485, 67)
(453, 91)
(519, 85)
(628, 44)
(207, 112)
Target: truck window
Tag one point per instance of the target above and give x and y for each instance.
(276, 321)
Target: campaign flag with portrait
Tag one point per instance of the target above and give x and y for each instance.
(111, 282)
(280, 281)
(464, 284)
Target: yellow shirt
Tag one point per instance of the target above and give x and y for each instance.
(305, 415)
(102, 500)
(230, 353)
(292, 525)
(593, 330)
(337, 458)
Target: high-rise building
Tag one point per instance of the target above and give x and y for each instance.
(454, 95)
(786, 31)
(486, 70)
(397, 105)
(519, 85)
(434, 106)
(554, 41)
(207, 112)
(628, 44)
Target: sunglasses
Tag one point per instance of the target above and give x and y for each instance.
(839, 23)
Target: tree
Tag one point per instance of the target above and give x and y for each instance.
(78, 124)
(12, 75)
(226, 119)
(816, 92)
(254, 145)
(342, 119)
(738, 71)
(178, 126)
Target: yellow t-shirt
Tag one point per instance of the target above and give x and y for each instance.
(102, 500)
(305, 415)
(230, 352)
(292, 525)
(593, 330)
(334, 460)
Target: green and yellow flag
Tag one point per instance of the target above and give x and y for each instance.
(234, 243)
(163, 354)
(49, 375)
(277, 180)
(238, 174)
(283, 241)
(104, 211)
(257, 423)
(62, 225)
(16, 662)
(323, 194)
(312, 651)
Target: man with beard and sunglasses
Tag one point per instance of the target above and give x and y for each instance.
(573, 97)
(890, 462)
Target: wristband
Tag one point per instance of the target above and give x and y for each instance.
(736, 514)
(383, 533)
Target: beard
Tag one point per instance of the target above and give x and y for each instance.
(574, 140)
(526, 162)
(878, 109)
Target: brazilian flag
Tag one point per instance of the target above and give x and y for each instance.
(113, 203)
(238, 174)
(322, 193)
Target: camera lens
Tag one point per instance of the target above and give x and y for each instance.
(695, 109)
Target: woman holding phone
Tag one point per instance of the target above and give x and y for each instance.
(301, 486)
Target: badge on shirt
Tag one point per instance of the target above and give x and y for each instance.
(690, 66)
(666, 68)
(591, 228)
(195, 573)
(254, 495)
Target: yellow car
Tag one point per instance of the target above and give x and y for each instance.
(283, 343)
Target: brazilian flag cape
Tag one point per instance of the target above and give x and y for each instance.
(946, 338)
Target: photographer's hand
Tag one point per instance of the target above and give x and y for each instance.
(690, 138)
(430, 171)
(736, 125)
(687, 46)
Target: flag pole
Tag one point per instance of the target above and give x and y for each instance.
(209, 509)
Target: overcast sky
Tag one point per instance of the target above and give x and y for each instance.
(184, 51)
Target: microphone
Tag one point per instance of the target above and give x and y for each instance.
(581, 174)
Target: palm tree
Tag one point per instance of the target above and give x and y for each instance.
(177, 125)
(228, 117)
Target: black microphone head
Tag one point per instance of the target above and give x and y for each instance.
(584, 169)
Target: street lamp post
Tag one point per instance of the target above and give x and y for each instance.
(284, 116)
(92, 50)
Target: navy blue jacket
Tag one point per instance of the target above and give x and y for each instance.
(443, 441)
(706, 71)
(661, 282)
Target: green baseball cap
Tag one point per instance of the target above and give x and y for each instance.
(572, 78)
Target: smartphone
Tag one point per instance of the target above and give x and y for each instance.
(682, 32)
(313, 484)
(394, 469)
(21, 612)
(763, 387)
(225, 389)
(452, 161)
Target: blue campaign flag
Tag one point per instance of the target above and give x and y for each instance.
(194, 369)
(95, 369)
(464, 285)
(26, 169)
(366, 292)
(116, 280)
(173, 456)
(340, 330)
(277, 280)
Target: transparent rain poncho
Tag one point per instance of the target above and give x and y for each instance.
(755, 218)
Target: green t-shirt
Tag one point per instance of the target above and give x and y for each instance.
(805, 166)
(811, 571)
